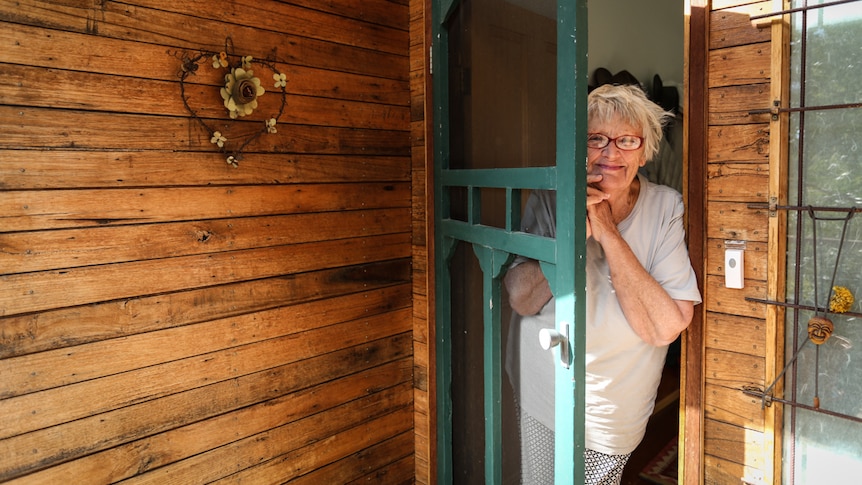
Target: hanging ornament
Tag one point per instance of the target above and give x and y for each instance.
(820, 329)
(841, 301)
(240, 93)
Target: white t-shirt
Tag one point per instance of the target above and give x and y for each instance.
(622, 371)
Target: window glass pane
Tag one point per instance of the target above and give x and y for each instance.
(822, 429)
(834, 59)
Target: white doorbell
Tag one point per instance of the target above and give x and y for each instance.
(734, 268)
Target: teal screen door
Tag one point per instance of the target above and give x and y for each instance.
(509, 90)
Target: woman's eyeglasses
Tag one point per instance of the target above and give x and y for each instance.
(624, 142)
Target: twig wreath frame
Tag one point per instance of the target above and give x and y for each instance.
(239, 93)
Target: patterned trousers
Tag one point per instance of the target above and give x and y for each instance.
(537, 457)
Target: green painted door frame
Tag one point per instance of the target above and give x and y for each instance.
(562, 258)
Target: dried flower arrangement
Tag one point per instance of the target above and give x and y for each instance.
(239, 92)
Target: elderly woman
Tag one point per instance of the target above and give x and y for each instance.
(641, 292)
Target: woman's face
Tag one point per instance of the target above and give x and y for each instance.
(617, 167)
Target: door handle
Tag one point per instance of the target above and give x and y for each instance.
(550, 338)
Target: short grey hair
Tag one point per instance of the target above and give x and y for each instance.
(629, 103)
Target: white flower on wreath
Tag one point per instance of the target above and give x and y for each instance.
(270, 126)
(218, 139)
(280, 79)
(219, 60)
(240, 92)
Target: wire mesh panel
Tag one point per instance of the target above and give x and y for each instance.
(505, 89)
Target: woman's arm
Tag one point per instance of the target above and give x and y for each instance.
(527, 287)
(651, 312)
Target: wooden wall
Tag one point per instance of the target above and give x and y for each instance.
(424, 421)
(165, 317)
(740, 338)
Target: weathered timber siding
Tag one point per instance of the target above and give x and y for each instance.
(166, 318)
(739, 61)
(424, 420)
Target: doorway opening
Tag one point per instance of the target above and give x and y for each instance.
(517, 129)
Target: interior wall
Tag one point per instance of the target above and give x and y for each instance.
(166, 317)
(643, 37)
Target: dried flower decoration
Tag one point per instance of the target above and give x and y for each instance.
(842, 299)
(240, 92)
(220, 60)
(239, 95)
(218, 139)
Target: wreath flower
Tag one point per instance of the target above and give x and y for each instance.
(218, 139)
(220, 60)
(240, 92)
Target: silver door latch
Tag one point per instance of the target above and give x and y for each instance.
(549, 338)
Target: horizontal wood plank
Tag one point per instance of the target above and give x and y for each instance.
(401, 471)
(721, 4)
(735, 444)
(295, 20)
(733, 301)
(732, 406)
(382, 285)
(30, 292)
(199, 362)
(45, 447)
(62, 50)
(23, 252)
(328, 434)
(735, 105)
(733, 26)
(299, 462)
(734, 369)
(718, 471)
(144, 96)
(48, 128)
(737, 221)
(54, 209)
(734, 333)
(746, 64)
(372, 463)
(384, 12)
(60, 367)
(130, 459)
(58, 169)
(193, 33)
(738, 182)
(738, 143)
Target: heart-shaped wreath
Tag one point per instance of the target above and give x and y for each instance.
(239, 92)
